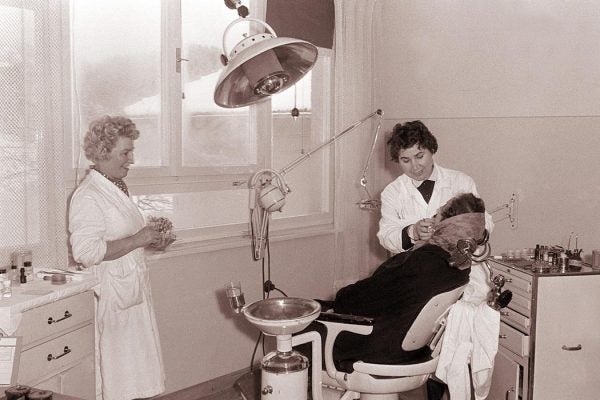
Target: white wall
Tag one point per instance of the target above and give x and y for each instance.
(511, 90)
(201, 338)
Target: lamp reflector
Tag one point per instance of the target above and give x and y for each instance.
(262, 65)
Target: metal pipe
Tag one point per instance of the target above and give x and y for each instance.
(303, 157)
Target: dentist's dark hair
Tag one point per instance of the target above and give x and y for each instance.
(405, 136)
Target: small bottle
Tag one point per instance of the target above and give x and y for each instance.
(23, 277)
(14, 275)
(28, 270)
(5, 283)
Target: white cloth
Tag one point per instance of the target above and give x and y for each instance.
(471, 337)
(402, 204)
(128, 354)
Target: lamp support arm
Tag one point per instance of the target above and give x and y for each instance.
(303, 157)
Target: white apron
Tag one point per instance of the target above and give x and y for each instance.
(128, 354)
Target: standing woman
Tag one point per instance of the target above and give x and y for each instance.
(409, 202)
(108, 234)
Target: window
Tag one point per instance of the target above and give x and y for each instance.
(29, 64)
(194, 158)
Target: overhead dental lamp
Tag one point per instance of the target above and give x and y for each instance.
(260, 65)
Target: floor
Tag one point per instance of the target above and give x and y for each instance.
(247, 388)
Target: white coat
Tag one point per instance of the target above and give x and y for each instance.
(128, 354)
(402, 204)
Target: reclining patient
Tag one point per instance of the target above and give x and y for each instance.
(401, 286)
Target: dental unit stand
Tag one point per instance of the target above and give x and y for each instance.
(284, 372)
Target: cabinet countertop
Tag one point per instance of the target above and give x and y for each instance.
(37, 293)
(55, 396)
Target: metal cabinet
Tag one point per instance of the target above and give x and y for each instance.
(548, 344)
(58, 346)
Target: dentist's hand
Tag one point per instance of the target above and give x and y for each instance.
(423, 229)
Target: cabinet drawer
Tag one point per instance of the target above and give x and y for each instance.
(520, 304)
(35, 365)
(516, 283)
(513, 318)
(52, 318)
(513, 340)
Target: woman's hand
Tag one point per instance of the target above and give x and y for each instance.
(424, 228)
(148, 236)
(142, 238)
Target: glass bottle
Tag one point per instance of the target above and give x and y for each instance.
(5, 283)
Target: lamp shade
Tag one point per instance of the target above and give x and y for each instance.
(262, 65)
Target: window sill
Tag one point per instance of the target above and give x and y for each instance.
(196, 245)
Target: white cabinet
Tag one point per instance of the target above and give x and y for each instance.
(58, 346)
(506, 380)
(548, 335)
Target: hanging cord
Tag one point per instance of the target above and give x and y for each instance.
(265, 295)
(370, 203)
(268, 286)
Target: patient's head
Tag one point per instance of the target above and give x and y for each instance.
(461, 204)
(462, 217)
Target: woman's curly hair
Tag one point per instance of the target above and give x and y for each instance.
(404, 136)
(103, 133)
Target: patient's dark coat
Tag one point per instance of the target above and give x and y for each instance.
(393, 295)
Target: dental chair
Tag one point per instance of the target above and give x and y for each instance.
(384, 382)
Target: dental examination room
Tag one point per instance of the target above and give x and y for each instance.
(300, 199)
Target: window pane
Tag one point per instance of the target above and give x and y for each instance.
(197, 209)
(212, 136)
(117, 68)
(294, 137)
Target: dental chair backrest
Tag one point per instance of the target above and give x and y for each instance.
(430, 322)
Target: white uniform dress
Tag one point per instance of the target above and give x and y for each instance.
(128, 354)
(402, 204)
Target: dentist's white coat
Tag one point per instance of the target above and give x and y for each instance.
(402, 204)
(128, 354)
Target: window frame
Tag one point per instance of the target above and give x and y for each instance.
(175, 178)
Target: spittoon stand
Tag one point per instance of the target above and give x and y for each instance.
(284, 373)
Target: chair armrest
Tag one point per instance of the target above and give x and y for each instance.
(345, 318)
(397, 370)
(358, 325)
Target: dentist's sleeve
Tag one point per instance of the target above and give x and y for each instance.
(392, 221)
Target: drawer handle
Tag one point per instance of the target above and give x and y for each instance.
(53, 321)
(571, 348)
(66, 351)
(502, 336)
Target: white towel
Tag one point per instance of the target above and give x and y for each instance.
(471, 337)
(486, 329)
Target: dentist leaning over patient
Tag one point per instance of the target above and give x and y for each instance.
(409, 202)
(108, 235)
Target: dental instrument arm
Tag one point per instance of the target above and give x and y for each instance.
(268, 188)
